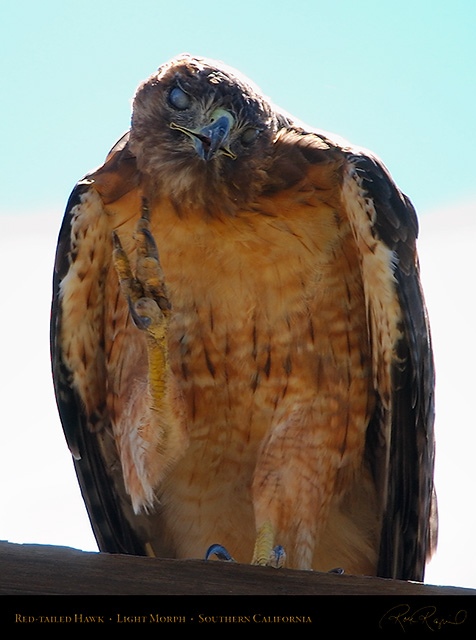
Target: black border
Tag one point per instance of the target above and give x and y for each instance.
(304, 615)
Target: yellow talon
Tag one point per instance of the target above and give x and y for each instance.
(264, 544)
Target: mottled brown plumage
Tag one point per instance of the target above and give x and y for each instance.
(283, 394)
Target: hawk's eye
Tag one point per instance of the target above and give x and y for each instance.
(249, 136)
(179, 99)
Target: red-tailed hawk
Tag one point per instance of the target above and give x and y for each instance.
(240, 346)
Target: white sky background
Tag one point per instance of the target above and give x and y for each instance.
(396, 76)
(446, 247)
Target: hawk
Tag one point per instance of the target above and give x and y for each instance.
(240, 347)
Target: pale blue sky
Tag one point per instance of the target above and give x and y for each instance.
(395, 76)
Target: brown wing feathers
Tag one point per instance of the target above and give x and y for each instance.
(406, 531)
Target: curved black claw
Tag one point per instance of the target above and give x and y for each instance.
(145, 211)
(141, 322)
(150, 248)
(277, 558)
(339, 571)
(220, 552)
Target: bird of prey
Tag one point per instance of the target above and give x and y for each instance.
(240, 346)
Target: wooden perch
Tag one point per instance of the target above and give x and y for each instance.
(48, 570)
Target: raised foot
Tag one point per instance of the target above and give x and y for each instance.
(149, 306)
(145, 291)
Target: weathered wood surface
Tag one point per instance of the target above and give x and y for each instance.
(48, 570)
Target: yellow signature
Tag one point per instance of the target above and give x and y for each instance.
(403, 616)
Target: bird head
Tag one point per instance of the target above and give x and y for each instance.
(202, 134)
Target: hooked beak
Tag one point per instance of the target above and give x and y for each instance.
(213, 139)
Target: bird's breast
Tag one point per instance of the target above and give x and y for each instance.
(267, 312)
